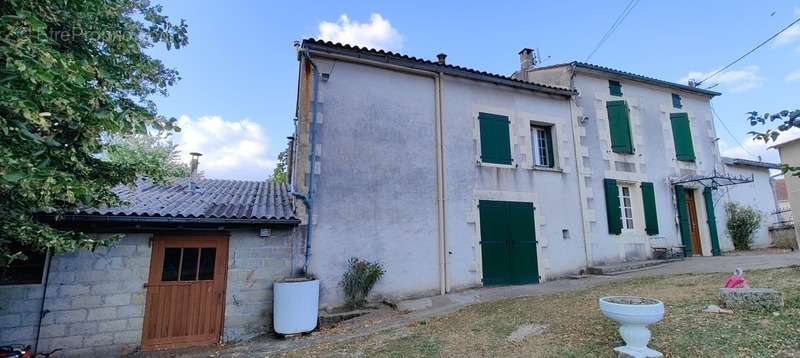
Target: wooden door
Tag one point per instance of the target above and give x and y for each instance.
(694, 227)
(508, 243)
(185, 291)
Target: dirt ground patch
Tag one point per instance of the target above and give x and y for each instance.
(574, 327)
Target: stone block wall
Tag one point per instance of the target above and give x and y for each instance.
(253, 264)
(94, 303)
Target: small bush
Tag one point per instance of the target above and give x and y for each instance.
(358, 280)
(743, 222)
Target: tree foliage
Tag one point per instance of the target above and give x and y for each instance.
(279, 174)
(156, 154)
(788, 119)
(71, 74)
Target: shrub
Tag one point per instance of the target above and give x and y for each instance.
(743, 222)
(358, 280)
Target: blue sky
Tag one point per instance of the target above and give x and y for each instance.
(237, 94)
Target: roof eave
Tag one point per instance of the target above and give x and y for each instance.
(640, 78)
(419, 64)
(133, 219)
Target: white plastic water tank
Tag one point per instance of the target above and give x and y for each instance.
(295, 305)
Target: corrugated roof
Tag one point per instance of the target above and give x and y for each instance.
(635, 77)
(260, 201)
(423, 64)
(749, 163)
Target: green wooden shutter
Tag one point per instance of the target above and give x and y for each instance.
(650, 213)
(495, 139)
(614, 88)
(676, 101)
(620, 126)
(613, 213)
(522, 244)
(682, 136)
(683, 219)
(494, 242)
(550, 154)
(712, 222)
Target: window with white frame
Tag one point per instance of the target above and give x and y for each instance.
(625, 207)
(542, 144)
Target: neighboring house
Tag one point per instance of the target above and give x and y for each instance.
(194, 266)
(757, 194)
(784, 214)
(789, 152)
(648, 156)
(449, 177)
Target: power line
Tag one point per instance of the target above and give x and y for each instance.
(627, 10)
(731, 133)
(749, 52)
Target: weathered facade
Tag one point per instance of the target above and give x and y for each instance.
(454, 178)
(96, 303)
(639, 136)
(404, 167)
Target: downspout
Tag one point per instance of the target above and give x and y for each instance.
(587, 248)
(42, 312)
(308, 200)
(440, 186)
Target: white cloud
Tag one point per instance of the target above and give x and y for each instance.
(231, 149)
(753, 149)
(793, 76)
(791, 34)
(377, 33)
(741, 80)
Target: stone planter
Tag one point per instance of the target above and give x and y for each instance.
(633, 314)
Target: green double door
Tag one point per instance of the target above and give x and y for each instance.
(508, 243)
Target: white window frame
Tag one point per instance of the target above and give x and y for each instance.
(539, 150)
(627, 221)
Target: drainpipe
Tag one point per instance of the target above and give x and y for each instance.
(308, 200)
(42, 312)
(587, 247)
(440, 183)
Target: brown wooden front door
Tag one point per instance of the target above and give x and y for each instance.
(185, 291)
(694, 227)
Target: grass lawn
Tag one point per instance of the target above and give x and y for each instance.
(574, 326)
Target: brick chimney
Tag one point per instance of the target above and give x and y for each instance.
(527, 59)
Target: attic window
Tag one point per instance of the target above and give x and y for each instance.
(615, 88)
(676, 101)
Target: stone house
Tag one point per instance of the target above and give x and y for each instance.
(194, 266)
(450, 177)
(454, 178)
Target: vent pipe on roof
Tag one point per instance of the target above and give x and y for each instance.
(442, 57)
(194, 164)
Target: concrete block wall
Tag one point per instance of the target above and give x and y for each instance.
(253, 264)
(94, 304)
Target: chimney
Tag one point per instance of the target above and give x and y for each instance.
(442, 57)
(194, 164)
(527, 59)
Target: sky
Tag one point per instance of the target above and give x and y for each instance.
(236, 98)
